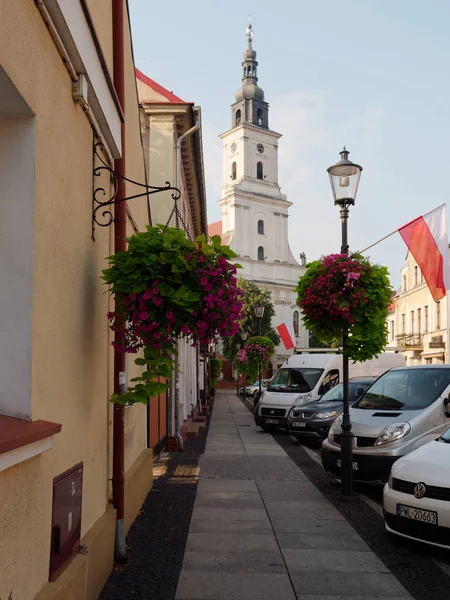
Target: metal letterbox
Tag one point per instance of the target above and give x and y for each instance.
(66, 519)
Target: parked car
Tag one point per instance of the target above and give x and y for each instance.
(417, 496)
(253, 389)
(313, 419)
(404, 409)
(307, 377)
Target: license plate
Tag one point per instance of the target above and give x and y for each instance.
(355, 465)
(271, 421)
(417, 514)
(298, 424)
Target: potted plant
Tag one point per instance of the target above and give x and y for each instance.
(166, 285)
(343, 290)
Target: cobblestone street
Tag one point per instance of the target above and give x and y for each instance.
(246, 515)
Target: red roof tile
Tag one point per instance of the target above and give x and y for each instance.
(158, 88)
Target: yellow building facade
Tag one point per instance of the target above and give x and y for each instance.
(418, 325)
(57, 103)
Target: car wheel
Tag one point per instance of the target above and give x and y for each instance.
(268, 428)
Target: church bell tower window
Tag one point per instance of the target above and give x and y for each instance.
(260, 253)
(238, 117)
(261, 227)
(259, 170)
(259, 116)
(233, 171)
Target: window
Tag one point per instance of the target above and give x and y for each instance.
(259, 116)
(416, 276)
(403, 323)
(260, 253)
(425, 318)
(261, 227)
(259, 170)
(329, 381)
(421, 277)
(419, 321)
(233, 170)
(295, 322)
(438, 315)
(428, 361)
(412, 322)
(392, 331)
(17, 174)
(404, 283)
(238, 116)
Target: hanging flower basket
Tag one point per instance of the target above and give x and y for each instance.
(257, 350)
(166, 285)
(346, 291)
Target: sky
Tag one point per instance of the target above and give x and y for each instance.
(370, 74)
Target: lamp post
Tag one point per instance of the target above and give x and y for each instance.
(244, 336)
(344, 179)
(259, 312)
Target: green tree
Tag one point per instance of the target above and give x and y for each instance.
(252, 296)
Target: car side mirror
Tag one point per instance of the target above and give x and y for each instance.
(446, 403)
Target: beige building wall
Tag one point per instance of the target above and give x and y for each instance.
(71, 356)
(419, 325)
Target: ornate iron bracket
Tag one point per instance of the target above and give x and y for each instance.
(107, 218)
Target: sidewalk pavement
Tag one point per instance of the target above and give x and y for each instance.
(260, 530)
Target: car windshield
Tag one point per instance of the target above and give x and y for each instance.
(445, 437)
(300, 380)
(355, 390)
(406, 389)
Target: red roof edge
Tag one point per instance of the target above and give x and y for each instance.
(158, 88)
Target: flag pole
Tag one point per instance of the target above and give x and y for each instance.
(379, 241)
(397, 230)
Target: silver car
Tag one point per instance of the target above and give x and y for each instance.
(253, 389)
(404, 409)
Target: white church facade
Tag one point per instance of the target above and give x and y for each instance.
(254, 211)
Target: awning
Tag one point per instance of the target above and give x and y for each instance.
(433, 353)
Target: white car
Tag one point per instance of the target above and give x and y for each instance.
(416, 498)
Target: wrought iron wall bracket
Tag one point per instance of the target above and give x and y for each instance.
(105, 217)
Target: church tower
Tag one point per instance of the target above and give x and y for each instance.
(254, 211)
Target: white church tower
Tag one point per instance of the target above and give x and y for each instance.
(254, 211)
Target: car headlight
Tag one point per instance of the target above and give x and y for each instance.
(326, 415)
(335, 428)
(302, 398)
(392, 433)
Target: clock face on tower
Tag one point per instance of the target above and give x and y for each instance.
(233, 147)
(260, 148)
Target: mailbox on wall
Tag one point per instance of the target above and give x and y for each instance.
(66, 519)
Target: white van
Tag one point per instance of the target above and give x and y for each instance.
(306, 377)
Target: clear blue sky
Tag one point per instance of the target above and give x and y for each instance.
(370, 74)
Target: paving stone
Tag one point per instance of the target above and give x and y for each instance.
(347, 584)
(215, 585)
(227, 542)
(351, 561)
(317, 540)
(306, 525)
(250, 561)
(230, 514)
(230, 525)
(226, 485)
(229, 500)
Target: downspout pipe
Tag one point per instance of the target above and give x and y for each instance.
(120, 222)
(180, 140)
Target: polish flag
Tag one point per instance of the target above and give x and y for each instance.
(426, 238)
(286, 331)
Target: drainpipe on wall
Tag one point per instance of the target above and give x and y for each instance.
(119, 246)
(189, 132)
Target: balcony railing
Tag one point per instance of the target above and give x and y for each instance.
(410, 340)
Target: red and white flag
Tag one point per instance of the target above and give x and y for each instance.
(286, 331)
(426, 238)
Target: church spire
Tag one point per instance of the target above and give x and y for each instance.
(250, 106)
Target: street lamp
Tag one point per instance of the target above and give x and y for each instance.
(244, 336)
(259, 312)
(344, 179)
